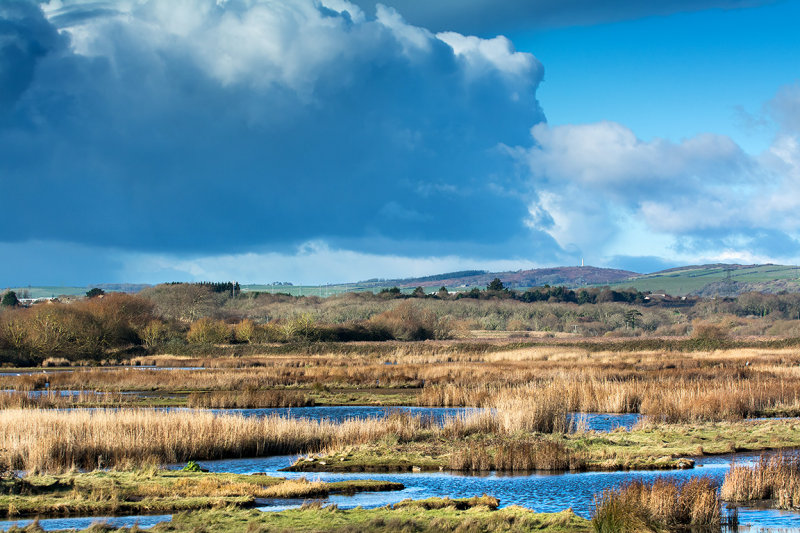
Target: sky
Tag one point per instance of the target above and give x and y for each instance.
(318, 141)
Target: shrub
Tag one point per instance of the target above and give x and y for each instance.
(662, 504)
(154, 334)
(270, 332)
(121, 317)
(409, 322)
(708, 331)
(244, 331)
(208, 331)
(10, 299)
(191, 466)
(52, 330)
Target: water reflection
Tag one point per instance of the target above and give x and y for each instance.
(540, 492)
(50, 524)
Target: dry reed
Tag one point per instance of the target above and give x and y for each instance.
(57, 400)
(662, 504)
(668, 387)
(55, 441)
(249, 399)
(517, 456)
(776, 478)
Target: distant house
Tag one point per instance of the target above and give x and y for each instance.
(27, 302)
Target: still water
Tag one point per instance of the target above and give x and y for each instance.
(592, 421)
(540, 492)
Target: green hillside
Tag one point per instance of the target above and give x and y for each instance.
(707, 280)
(48, 292)
(692, 279)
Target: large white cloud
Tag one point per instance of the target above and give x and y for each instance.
(703, 194)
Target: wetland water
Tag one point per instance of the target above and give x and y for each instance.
(592, 421)
(540, 492)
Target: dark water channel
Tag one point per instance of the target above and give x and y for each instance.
(592, 421)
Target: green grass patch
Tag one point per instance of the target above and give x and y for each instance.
(157, 491)
(451, 516)
(664, 446)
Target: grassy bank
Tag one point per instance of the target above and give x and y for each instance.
(428, 516)
(657, 446)
(151, 491)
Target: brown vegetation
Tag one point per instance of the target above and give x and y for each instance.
(56, 400)
(667, 387)
(55, 441)
(193, 318)
(776, 479)
(663, 504)
(537, 454)
(248, 399)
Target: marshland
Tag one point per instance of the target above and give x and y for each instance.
(104, 398)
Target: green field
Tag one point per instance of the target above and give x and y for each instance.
(332, 290)
(48, 292)
(690, 279)
(294, 290)
(677, 282)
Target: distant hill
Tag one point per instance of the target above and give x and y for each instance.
(710, 280)
(52, 291)
(718, 280)
(568, 276)
(702, 280)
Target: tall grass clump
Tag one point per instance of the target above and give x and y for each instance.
(248, 399)
(517, 456)
(776, 478)
(662, 504)
(55, 441)
(56, 400)
(530, 409)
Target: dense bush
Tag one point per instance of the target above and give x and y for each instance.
(409, 322)
(208, 331)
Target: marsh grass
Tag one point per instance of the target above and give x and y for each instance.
(249, 399)
(662, 504)
(55, 441)
(517, 456)
(151, 490)
(667, 386)
(56, 400)
(776, 479)
(461, 504)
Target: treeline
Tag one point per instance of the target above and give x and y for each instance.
(177, 318)
(559, 294)
(587, 311)
(116, 326)
(84, 329)
(214, 286)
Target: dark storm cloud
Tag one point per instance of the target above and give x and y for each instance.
(492, 17)
(203, 127)
(25, 37)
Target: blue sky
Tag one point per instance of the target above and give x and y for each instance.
(671, 76)
(315, 142)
